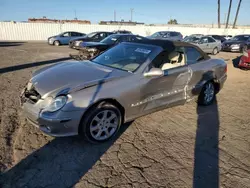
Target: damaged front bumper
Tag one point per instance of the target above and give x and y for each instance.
(58, 124)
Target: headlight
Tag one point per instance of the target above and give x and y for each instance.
(56, 104)
(77, 43)
(92, 50)
(235, 45)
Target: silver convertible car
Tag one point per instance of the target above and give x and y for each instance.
(94, 98)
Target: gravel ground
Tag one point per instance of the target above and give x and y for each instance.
(185, 146)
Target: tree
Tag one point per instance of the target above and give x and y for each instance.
(218, 13)
(228, 14)
(172, 21)
(237, 13)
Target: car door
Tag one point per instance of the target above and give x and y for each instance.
(197, 63)
(65, 38)
(212, 44)
(203, 44)
(167, 90)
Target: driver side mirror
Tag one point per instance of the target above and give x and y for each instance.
(154, 72)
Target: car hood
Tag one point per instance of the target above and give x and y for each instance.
(83, 38)
(93, 44)
(54, 36)
(67, 77)
(233, 42)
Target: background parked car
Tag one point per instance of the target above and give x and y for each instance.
(245, 60)
(237, 43)
(167, 35)
(122, 32)
(209, 45)
(193, 35)
(88, 50)
(192, 38)
(218, 37)
(94, 36)
(64, 38)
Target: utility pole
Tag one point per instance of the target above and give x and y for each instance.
(114, 15)
(225, 17)
(236, 16)
(132, 11)
(75, 15)
(229, 10)
(218, 13)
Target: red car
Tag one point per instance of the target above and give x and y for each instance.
(245, 60)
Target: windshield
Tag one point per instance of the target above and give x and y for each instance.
(240, 38)
(157, 34)
(127, 57)
(191, 39)
(110, 39)
(90, 35)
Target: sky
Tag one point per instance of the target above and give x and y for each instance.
(147, 11)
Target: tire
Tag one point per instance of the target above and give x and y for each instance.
(94, 127)
(206, 98)
(56, 43)
(215, 51)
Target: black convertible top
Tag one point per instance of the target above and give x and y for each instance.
(164, 44)
(170, 45)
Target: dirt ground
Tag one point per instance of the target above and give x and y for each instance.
(185, 146)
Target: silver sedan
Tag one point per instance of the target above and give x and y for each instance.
(94, 98)
(209, 45)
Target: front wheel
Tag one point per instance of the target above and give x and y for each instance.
(101, 123)
(207, 94)
(57, 43)
(215, 51)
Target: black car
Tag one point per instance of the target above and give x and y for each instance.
(237, 43)
(218, 37)
(94, 36)
(88, 50)
(122, 32)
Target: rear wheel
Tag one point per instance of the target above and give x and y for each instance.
(215, 51)
(101, 123)
(56, 43)
(207, 94)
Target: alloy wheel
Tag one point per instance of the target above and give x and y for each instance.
(104, 125)
(209, 92)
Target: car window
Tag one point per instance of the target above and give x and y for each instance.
(166, 35)
(74, 34)
(204, 40)
(66, 34)
(123, 39)
(78, 34)
(210, 40)
(173, 34)
(167, 60)
(102, 35)
(112, 39)
(192, 55)
(135, 38)
(216, 37)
